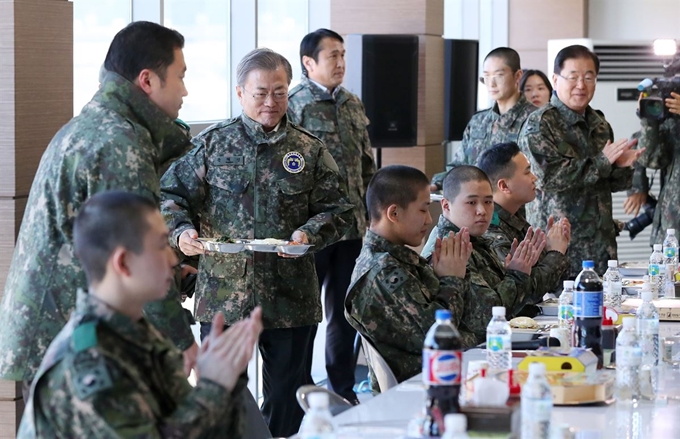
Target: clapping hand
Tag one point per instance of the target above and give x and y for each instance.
(451, 254)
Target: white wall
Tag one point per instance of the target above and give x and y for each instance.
(633, 19)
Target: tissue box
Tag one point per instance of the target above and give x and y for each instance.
(576, 360)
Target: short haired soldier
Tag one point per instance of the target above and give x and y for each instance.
(118, 141)
(468, 203)
(500, 123)
(321, 105)
(109, 372)
(259, 176)
(394, 292)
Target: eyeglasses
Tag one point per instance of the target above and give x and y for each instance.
(278, 96)
(574, 79)
(498, 78)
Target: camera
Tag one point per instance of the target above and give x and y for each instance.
(652, 106)
(638, 224)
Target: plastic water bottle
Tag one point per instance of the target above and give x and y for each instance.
(588, 299)
(656, 280)
(499, 341)
(565, 311)
(536, 404)
(628, 360)
(611, 283)
(456, 426)
(648, 330)
(442, 361)
(670, 260)
(318, 421)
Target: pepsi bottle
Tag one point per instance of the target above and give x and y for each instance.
(588, 299)
(442, 360)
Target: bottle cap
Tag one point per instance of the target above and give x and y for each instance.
(455, 423)
(646, 295)
(442, 314)
(536, 369)
(628, 322)
(317, 400)
(606, 321)
(658, 247)
(498, 311)
(613, 263)
(588, 264)
(515, 389)
(568, 284)
(670, 231)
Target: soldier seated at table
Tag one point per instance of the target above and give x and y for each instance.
(109, 372)
(394, 292)
(514, 185)
(468, 203)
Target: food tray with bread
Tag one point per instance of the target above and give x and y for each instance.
(527, 329)
(267, 245)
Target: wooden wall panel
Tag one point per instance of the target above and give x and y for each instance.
(425, 17)
(429, 159)
(430, 90)
(532, 23)
(41, 53)
(7, 171)
(10, 417)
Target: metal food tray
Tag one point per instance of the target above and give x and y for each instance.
(288, 249)
(633, 268)
(222, 247)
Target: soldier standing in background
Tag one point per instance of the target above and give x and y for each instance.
(500, 123)
(337, 117)
(578, 165)
(259, 176)
(118, 141)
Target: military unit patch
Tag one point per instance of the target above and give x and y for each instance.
(293, 162)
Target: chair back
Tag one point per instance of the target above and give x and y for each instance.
(381, 370)
(336, 403)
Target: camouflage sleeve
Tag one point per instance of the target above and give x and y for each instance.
(331, 213)
(510, 292)
(183, 191)
(397, 312)
(123, 411)
(657, 139)
(555, 162)
(459, 155)
(546, 275)
(169, 317)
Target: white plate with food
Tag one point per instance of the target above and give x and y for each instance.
(527, 329)
(633, 268)
(549, 307)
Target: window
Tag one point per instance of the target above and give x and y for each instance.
(205, 26)
(280, 27)
(95, 23)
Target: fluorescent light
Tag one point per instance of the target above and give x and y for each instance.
(665, 47)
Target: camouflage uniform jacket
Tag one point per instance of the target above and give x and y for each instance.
(106, 375)
(547, 274)
(490, 283)
(663, 152)
(392, 299)
(117, 142)
(575, 179)
(235, 180)
(486, 128)
(340, 122)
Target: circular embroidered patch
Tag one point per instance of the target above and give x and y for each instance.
(293, 162)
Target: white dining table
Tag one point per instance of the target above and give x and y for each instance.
(387, 415)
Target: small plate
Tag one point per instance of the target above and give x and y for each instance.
(633, 268)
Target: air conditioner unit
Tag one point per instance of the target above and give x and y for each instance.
(623, 64)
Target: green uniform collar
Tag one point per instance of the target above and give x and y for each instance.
(339, 94)
(590, 117)
(256, 132)
(399, 252)
(500, 214)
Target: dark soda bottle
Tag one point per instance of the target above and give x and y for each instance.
(442, 360)
(588, 300)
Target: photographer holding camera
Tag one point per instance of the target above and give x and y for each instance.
(661, 138)
(639, 199)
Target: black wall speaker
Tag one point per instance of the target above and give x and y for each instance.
(461, 77)
(383, 72)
